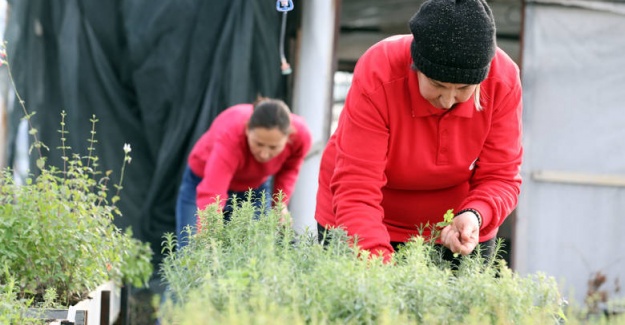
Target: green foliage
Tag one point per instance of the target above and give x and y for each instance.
(10, 308)
(14, 310)
(57, 237)
(448, 218)
(261, 272)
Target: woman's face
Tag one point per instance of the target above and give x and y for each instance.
(265, 143)
(444, 95)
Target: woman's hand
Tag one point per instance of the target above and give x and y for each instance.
(462, 235)
(285, 218)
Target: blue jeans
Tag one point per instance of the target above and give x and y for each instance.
(186, 206)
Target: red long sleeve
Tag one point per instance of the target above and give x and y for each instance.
(222, 158)
(396, 163)
(285, 178)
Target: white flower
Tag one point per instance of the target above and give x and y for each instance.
(127, 148)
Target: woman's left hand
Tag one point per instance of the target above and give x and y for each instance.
(462, 235)
(285, 218)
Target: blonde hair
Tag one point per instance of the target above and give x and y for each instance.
(477, 99)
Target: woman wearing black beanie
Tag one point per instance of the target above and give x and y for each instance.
(432, 122)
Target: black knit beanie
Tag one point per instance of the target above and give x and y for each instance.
(454, 40)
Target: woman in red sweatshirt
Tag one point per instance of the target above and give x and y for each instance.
(248, 146)
(432, 122)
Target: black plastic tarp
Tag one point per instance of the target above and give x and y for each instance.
(153, 72)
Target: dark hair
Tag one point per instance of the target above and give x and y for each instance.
(270, 114)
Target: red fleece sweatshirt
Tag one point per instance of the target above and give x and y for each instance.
(222, 158)
(396, 163)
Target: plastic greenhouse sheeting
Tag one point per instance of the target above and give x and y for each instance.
(570, 210)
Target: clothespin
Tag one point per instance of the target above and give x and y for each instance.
(284, 5)
(285, 67)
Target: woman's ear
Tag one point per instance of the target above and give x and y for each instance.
(292, 130)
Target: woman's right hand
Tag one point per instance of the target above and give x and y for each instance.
(462, 235)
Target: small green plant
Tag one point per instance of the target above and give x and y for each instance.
(58, 241)
(11, 309)
(448, 218)
(259, 271)
(57, 232)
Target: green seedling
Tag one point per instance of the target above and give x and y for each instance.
(447, 220)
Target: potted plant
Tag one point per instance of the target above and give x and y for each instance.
(58, 241)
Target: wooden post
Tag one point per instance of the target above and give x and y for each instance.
(124, 315)
(105, 307)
